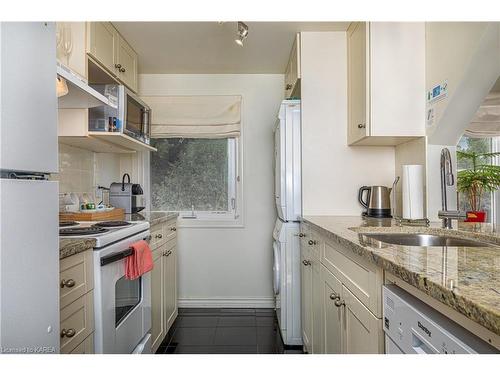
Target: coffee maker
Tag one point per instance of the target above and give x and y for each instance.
(126, 195)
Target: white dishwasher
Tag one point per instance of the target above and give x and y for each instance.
(411, 326)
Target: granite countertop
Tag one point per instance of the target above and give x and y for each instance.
(465, 278)
(72, 246)
(154, 217)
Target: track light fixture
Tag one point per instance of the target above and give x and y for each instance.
(242, 33)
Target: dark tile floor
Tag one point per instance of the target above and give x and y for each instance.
(225, 331)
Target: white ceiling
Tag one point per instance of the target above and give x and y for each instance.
(209, 47)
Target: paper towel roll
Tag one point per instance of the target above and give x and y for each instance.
(413, 192)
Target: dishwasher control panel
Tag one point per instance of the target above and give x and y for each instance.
(415, 327)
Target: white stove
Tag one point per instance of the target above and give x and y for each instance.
(104, 235)
(122, 307)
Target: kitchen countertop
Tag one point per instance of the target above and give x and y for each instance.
(72, 246)
(465, 278)
(154, 217)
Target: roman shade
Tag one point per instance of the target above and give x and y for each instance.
(486, 121)
(195, 116)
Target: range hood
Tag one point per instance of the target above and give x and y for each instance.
(78, 94)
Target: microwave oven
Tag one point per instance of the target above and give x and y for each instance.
(132, 116)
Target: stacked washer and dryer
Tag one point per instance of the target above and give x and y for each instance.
(286, 243)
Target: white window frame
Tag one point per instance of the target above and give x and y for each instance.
(232, 217)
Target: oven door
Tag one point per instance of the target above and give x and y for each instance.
(122, 307)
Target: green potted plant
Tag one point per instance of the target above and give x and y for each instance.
(481, 177)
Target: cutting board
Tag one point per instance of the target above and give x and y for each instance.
(116, 214)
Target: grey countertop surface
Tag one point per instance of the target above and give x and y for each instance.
(72, 246)
(465, 278)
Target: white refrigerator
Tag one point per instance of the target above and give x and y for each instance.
(286, 244)
(29, 238)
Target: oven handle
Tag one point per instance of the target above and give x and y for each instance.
(120, 255)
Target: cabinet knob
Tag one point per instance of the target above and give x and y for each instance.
(339, 303)
(122, 70)
(361, 126)
(312, 242)
(159, 235)
(302, 235)
(173, 229)
(70, 283)
(167, 253)
(118, 66)
(334, 296)
(288, 86)
(70, 332)
(306, 262)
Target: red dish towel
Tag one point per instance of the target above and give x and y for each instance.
(140, 262)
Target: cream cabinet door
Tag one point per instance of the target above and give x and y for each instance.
(71, 46)
(317, 308)
(170, 282)
(292, 73)
(358, 124)
(102, 44)
(306, 297)
(157, 299)
(331, 289)
(127, 64)
(362, 331)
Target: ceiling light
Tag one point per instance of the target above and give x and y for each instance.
(242, 33)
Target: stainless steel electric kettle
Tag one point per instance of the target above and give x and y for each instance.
(377, 201)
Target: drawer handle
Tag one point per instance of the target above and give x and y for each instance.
(339, 303)
(173, 229)
(306, 262)
(70, 283)
(70, 332)
(334, 296)
(159, 236)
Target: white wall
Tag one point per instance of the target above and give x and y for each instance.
(332, 172)
(232, 266)
(467, 56)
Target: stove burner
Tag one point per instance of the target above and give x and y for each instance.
(86, 231)
(111, 224)
(68, 223)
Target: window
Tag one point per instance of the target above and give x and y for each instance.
(488, 200)
(195, 177)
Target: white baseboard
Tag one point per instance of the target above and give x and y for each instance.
(229, 302)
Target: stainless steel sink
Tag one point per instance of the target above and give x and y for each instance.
(420, 239)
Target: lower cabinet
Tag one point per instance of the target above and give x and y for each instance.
(363, 332)
(170, 283)
(163, 282)
(334, 318)
(306, 299)
(157, 304)
(331, 289)
(77, 303)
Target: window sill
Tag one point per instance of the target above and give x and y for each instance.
(206, 222)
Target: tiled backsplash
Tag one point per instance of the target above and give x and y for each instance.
(76, 170)
(81, 171)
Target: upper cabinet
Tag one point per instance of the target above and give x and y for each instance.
(386, 82)
(102, 43)
(111, 51)
(292, 73)
(71, 48)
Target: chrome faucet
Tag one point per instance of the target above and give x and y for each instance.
(447, 179)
